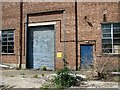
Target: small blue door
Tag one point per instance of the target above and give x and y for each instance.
(41, 47)
(86, 56)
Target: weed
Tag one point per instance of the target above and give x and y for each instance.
(47, 85)
(23, 76)
(9, 76)
(64, 79)
(43, 75)
(12, 76)
(22, 73)
(116, 70)
(44, 68)
(35, 76)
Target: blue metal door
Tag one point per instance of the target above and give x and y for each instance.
(41, 47)
(86, 56)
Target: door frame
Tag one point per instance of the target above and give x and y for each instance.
(28, 25)
(92, 53)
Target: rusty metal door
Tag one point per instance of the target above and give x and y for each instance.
(41, 47)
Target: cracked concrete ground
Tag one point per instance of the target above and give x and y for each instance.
(35, 79)
(24, 78)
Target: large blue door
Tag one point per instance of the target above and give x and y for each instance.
(86, 56)
(41, 47)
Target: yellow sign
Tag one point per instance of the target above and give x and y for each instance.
(59, 54)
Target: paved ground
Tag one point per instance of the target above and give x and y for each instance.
(24, 78)
(35, 79)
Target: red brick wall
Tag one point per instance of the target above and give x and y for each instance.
(93, 11)
(11, 19)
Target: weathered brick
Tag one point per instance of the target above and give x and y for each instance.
(93, 11)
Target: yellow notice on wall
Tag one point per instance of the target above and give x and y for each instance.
(59, 54)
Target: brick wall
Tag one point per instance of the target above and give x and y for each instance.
(93, 12)
(11, 20)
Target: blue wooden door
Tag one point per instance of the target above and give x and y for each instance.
(41, 47)
(86, 56)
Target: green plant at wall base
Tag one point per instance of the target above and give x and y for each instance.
(44, 68)
(64, 79)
